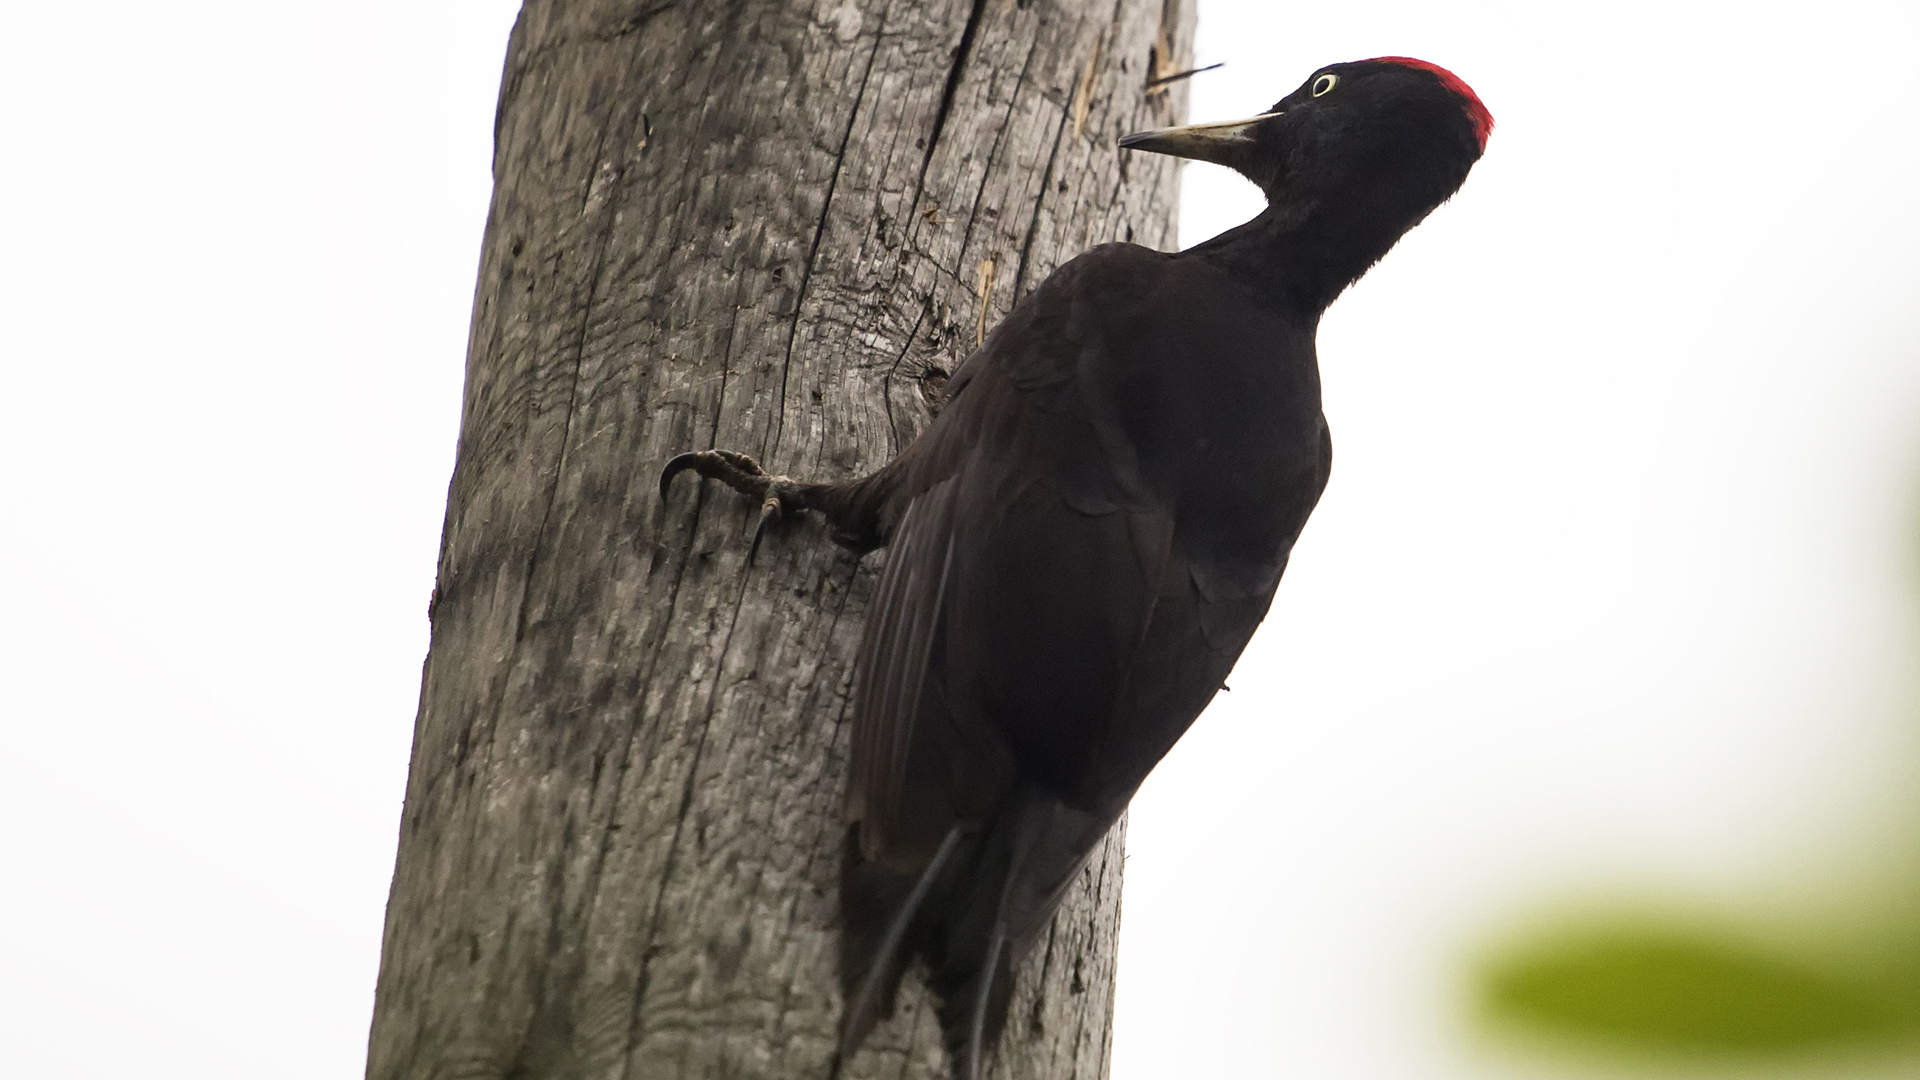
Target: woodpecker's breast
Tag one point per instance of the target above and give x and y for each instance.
(1221, 404)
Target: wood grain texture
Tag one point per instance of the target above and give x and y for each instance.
(772, 227)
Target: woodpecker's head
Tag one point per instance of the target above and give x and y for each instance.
(1373, 125)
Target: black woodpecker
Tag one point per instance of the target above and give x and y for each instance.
(1082, 542)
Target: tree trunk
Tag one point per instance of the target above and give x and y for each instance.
(773, 227)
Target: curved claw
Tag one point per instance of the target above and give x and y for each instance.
(738, 471)
(769, 513)
(777, 494)
(680, 463)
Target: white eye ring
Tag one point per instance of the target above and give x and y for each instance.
(1325, 84)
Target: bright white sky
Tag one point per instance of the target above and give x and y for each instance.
(1610, 591)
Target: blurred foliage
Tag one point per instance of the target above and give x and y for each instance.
(1695, 992)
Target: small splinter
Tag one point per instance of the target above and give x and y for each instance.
(1154, 84)
(983, 288)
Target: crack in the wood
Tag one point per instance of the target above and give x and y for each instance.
(993, 155)
(792, 915)
(986, 178)
(586, 197)
(886, 381)
(679, 827)
(1039, 203)
(807, 793)
(954, 72)
(915, 220)
(811, 697)
(619, 785)
(720, 399)
(699, 504)
(632, 22)
(819, 231)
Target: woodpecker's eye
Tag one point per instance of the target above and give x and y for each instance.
(1325, 83)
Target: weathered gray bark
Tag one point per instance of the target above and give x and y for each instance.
(771, 226)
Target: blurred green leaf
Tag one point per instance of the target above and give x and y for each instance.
(1667, 989)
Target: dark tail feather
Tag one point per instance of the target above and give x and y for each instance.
(878, 909)
(975, 968)
(974, 1018)
(972, 912)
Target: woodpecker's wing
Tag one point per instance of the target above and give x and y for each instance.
(892, 702)
(1020, 571)
(1019, 579)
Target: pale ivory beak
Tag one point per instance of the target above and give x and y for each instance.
(1216, 142)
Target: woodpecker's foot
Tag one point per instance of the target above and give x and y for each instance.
(778, 495)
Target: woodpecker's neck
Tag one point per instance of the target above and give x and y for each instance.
(1305, 251)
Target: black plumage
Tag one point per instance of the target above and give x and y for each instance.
(1083, 541)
